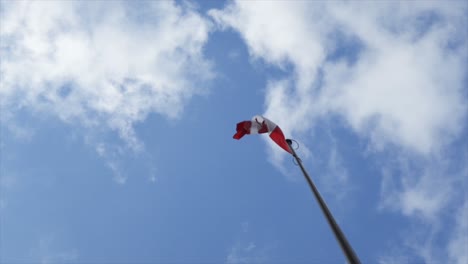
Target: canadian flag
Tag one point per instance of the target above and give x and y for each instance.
(259, 125)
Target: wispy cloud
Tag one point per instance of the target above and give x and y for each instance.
(336, 178)
(110, 67)
(117, 157)
(432, 194)
(416, 191)
(246, 250)
(48, 251)
(459, 238)
(98, 66)
(112, 155)
(244, 253)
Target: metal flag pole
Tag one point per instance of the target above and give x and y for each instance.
(340, 237)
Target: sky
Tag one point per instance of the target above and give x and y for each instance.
(116, 125)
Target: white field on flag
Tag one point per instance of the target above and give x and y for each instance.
(260, 123)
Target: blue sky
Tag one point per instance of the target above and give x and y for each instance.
(117, 121)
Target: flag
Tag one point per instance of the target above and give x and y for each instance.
(260, 125)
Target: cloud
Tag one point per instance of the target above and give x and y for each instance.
(336, 179)
(459, 242)
(395, 79)
(48, 251)
(418, 191)
(112, 155)
(432, 194)
(101, 66)
(244, 253)
(245, 249)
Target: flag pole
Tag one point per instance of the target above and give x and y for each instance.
(339, 235)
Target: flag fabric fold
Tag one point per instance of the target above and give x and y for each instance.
(260, 125)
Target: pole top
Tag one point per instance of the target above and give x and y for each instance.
(289, 141)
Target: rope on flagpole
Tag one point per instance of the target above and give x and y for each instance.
(296, 148)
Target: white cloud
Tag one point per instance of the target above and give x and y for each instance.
(458, 245)
(48, 251)
(112, 155)
(418, 192)
(101, 65)
(152, 173)
(245, 249)
(336, 179)
(244, 253)
(404, 86)
(433, 195)
(400, 95)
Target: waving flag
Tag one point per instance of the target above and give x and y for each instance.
(259, 125)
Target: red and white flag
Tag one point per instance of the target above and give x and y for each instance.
(259, 125)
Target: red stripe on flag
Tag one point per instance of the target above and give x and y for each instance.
(278, 137)
(242, 129)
